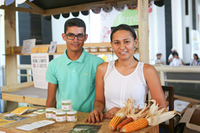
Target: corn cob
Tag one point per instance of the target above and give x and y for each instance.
(114, 122)
(132, 126)
(124, 122)
(121, 114)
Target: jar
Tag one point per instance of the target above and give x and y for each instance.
(54, 113)
(86, 49)
(66, 105)
(93, 49)
(72, 116)
(60, 116)
(103, 49)
(49, 113)
(111, 50)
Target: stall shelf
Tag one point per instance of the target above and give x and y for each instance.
(10, 30)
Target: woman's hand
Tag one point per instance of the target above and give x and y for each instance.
(95, 116)
(111, 113)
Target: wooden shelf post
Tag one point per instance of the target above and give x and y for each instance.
(143, 16)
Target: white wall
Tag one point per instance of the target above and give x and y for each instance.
(157, 40)
(177, 31)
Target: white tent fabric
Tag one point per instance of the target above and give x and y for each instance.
(8, 2)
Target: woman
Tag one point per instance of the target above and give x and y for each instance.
(118, 80)
(195, 61)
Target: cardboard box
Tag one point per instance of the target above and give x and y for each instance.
(192, 119)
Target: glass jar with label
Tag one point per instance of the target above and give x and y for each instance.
(60, 116)
(72, 116)
(86, 49)
(66, 105)
(54, 113)
(93, 49)
(103, 49)
(49, 113)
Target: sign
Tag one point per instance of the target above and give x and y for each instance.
(129, 17)
(28, 45)
(39, 63)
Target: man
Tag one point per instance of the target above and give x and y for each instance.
(170, 58)
(72, 75)
(158, 60)
(177, 61)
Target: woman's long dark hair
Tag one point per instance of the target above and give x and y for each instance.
(197, 56)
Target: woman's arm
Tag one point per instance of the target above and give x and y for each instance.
(97, 114)
(153, 82)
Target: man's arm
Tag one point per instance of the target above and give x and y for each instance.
(51, 98)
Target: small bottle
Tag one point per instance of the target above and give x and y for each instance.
(66, 105)
(49, 113)
(72, 116)
(60, 116)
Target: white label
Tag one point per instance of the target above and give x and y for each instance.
(70, 118)
(66, 107)
(93, 50)
(54, 116)
(49, 115)
(60, 118)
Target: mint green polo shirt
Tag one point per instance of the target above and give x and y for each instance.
(75, 79)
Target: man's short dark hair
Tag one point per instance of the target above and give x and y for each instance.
(74, 22)
(174, 53)
(158, 54)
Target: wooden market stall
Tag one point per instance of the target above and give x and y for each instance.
(12, 50)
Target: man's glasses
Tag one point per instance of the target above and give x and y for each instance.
(71, 36)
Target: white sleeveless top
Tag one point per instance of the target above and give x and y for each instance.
(118, 88)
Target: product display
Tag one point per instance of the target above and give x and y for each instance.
(111, 50)
(60, 116)
(66, 105)
(93, 49)
(49, 113)
(72, 116)
(103, 49)
(86, 49)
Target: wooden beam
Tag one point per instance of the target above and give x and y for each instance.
(77, 8)
(20, 9)
(10, 40)
(16, 87)
(35, 7)
(23, 99)
(143, 30)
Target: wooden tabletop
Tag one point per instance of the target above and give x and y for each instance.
(64, 127)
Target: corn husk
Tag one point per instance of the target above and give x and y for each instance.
(139, 114)
(127, 109)
(156, 116)
(155, 120)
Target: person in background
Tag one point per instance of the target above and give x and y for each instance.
(170, 58)
(118, 80)
(195, 61)
(72, 75)
(177, 61)
(158, 60)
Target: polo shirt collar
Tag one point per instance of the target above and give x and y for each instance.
(80, 59)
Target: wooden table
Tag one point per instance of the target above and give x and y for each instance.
(64, 127)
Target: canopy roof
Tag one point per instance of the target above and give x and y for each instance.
(55, 7)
